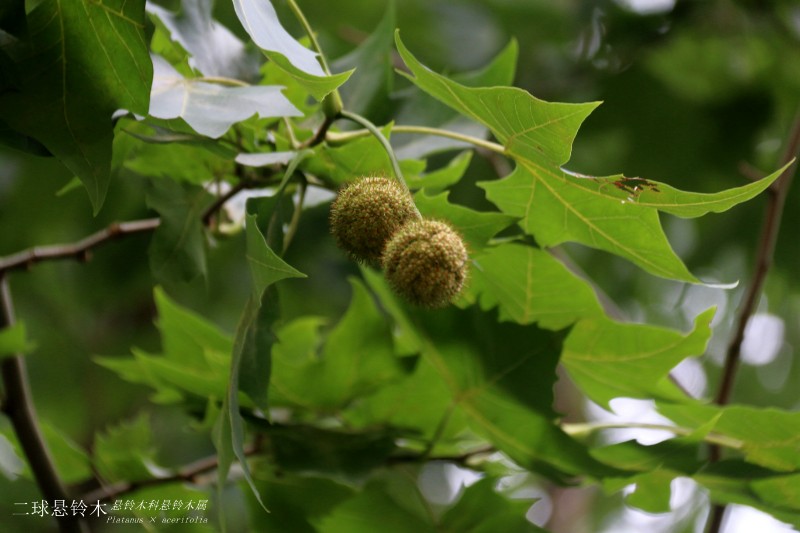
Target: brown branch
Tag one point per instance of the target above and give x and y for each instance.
(187, 474)
(79, 250)
(776, 200)
(209, 213)
(321, 132)
(18, 406)
(190, 472)
(766, 249)
(462, 459)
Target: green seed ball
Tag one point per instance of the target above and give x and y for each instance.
(366, 213)
(426, 263)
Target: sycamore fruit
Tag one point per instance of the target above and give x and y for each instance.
(366, 213)
(426, 263)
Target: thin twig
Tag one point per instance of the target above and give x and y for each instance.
(18, 406)
(191, 472)
(461, 459)
(301, 18)
(295, 222)
(587, 428)
(422, 130)
(320, 135)
(766, 249)
(209, 213)
(187, 474)
(79, 250)
(378, 134)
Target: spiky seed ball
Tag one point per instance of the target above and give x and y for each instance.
(426, 262)
(366, 213)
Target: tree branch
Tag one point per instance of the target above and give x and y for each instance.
(766, 251)
(18, 406)
(187, 474)
(190, 472)
(79, 250)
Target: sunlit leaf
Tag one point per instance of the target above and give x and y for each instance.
(260, 21)
(557, 206)
(422, 109)
(265, 159)
(528, 127)
(781, 491)
(214, 50)
(676, 202)
(211, 108)
(608, 359)
(266, 267)
(768, 436)
(652, 492)
(530, 285)
(444, 177)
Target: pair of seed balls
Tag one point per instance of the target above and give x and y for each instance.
(375, 221)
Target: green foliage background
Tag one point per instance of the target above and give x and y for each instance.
(360, 383)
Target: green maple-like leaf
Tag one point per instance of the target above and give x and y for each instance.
(607, 359)
(214, 50)
(82, 61)
(444, 177)
(356, 359)
(195, 356)
(616, 214)
(209, 108)
(259, 19)
(768, 437)
(530, 285)
(266, 267)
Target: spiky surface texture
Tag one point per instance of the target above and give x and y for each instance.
(366, 213)
(426, 263)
